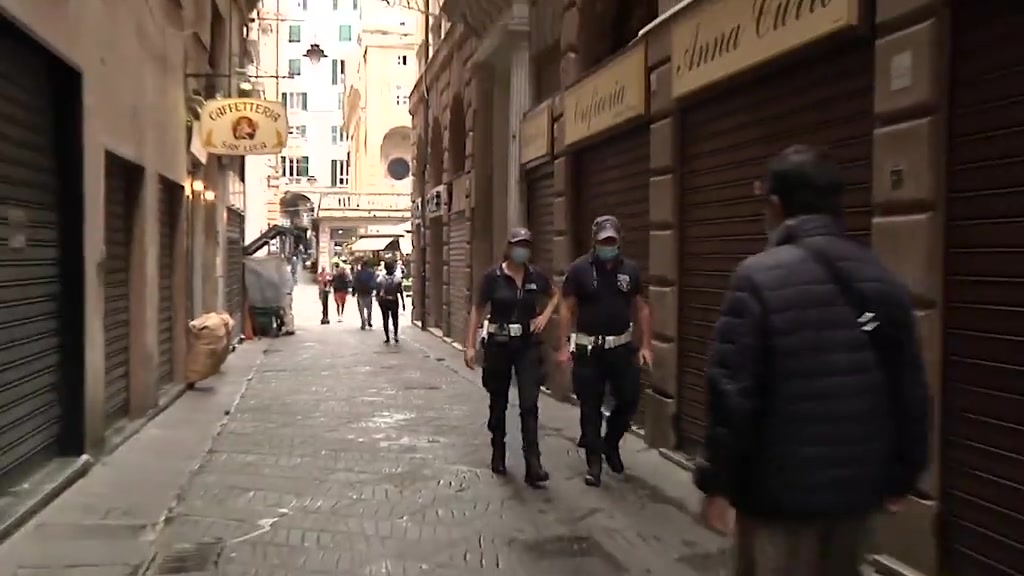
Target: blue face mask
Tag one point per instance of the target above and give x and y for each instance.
(519, 255)
(606, 252)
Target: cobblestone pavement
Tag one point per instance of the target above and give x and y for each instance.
(348, 457)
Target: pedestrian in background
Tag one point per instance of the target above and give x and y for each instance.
(513, 291)
(363, 286)
(602, 293)
(341, 283)
(389, 296)
(817, 401)
(323, 281)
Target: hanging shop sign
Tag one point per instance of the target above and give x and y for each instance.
(713, 40)
(243, 127)
(535, 134)
(611, 96)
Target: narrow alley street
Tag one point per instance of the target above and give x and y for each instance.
(346, 456)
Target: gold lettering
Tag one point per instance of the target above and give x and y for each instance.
(772, 15)
(703, 51)
(600, 104)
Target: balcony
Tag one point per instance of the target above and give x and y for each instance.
(365, 206)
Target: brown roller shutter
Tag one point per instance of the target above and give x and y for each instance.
(459, 271)
(983, 476)
(826, 101)
(613, 177)
(123, 181)
(32, 331)
(169, 198)
(540, 200)
(235, 269)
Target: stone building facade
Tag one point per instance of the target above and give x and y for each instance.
(664, 114)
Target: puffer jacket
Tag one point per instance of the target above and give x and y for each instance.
(802, 423)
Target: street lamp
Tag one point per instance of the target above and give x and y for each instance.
(315, 53)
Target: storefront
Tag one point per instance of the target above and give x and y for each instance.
(435, 262)
(171, 197)
(234, 270)
(539, 178)
(982, 477)
(460, 258)
(736, 111)
(607, 132)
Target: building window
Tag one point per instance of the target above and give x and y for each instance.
(295, 166)
(341, 100)
(294, 33)
(398, 169)
(340, 172)
(403, 59)
(338, 135)
(302, 4)
(335, 5)
(401, 95)
(295, 100)
(355, 4)
(294, 67)
(337, 72)
(345, 33)
(297, 131)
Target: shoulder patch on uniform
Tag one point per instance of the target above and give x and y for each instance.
(625, 282)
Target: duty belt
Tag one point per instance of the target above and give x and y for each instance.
(591, 342)
(513, 330)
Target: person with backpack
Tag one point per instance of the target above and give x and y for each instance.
(817, 412)
(389, 296)
(363, 286)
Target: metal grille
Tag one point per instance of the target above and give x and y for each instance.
(123, 181)
(983, 412)
(30, 327)
(725, 143)
(171, 195)
(235, 269)
(540, 200)
(458, 293)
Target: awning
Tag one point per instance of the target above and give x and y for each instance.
(405, 244)
(372, 243)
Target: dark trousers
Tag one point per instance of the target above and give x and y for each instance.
(389, 310)
(616, 368)
(325, 299)
(522, 354)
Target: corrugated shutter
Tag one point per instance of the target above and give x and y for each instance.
(726, 142)
(613, 178)
(435, 272)
(189, 257)
(30, 329)
(459, 263)
(540, 199)
(983, 476)
(234, 284)
(169, 198)
(123, 181)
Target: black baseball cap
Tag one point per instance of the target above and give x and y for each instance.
(519, 235)
(607, 227)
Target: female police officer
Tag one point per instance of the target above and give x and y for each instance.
(513, 291)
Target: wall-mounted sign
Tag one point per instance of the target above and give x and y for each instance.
(535, 134)
(243, 127)
(714, 39)
(613, 95)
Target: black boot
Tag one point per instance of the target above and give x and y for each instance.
(498, 459)
(536, 475)
(593, 477)
(613, 458)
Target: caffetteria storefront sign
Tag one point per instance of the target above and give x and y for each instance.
(243, 127)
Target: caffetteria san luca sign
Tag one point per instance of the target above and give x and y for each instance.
(243, 127)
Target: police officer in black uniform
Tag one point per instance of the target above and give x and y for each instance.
(600, 297)
(514, 291)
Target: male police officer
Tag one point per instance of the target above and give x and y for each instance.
(602, 291)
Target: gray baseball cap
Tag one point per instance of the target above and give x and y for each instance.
(606, 227)
(519, 235)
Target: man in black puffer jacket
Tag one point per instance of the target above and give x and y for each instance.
(817, 400)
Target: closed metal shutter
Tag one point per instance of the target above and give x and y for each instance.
(123, 180)
(435, 272)
(235, 269)
(540, 205)
(459, 271)
(170, 195)
(30, 328)
(613, 178)
(725, 143)
(983, 452)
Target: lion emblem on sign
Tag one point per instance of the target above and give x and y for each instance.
(244, 128)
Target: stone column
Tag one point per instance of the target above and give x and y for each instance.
(518, 104)
(909, 188)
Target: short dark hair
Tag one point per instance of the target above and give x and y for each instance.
(805, 181)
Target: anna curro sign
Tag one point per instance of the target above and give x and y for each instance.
(243, 127)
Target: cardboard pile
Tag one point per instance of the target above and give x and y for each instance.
(209, 342)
